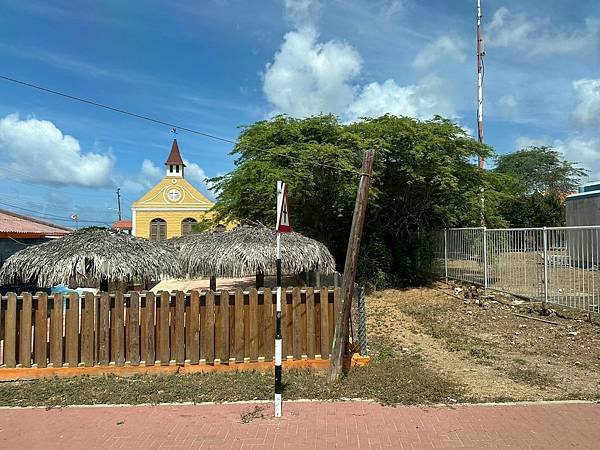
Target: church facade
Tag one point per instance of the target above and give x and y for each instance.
(172, 207)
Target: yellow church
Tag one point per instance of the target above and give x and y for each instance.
(171, 207)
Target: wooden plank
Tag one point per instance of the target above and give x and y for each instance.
(117, 329)
(284, 313)
(10, 331)
(239, 326)
(87, 330)
(310, 324)
(103, 329)
(25, 330)
(297, 325)
(56, 330)
(72, 330)
(331, 310)
(40, 347)
(268, 325)
(162, 333)
(208, 328)
(253, 324)
(147, 338)
(172, 323)
(289, 324)
(133, 329)
(222, 328)
(193, 329)
(337, 300)
(246, 326)
(324, 307)
(179, 328)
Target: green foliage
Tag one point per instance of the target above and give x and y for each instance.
(540, 169)
(535, 210)
(423, 178)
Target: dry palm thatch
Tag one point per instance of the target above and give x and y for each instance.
(85, 257)
(248, 250)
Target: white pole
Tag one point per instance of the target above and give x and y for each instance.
(278, 358)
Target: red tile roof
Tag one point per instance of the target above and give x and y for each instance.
(122, 225)
(18, 225)
(175, 156)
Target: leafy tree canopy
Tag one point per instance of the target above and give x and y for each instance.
(424, 178)
(540, 169)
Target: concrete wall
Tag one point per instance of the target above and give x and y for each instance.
(583, 210)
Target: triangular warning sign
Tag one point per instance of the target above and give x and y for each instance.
(283, 213)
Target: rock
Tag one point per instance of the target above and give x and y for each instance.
(522, 326)
(577, 363)
(470, 313)
(405, 349)
(573, 333)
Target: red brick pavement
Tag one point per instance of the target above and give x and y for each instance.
(304, 425)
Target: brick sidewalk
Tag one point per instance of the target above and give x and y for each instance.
(305, 425)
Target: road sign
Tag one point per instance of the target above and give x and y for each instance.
(283, 211)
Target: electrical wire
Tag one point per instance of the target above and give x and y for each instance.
(51, 216)
(163, 122)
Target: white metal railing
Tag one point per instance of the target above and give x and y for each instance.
(556, 264)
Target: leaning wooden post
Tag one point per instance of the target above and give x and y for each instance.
(340, 336)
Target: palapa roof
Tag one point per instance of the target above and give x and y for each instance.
(90, 256)
(246, 249)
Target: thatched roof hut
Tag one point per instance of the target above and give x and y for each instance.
(248, 250)
(85, 257)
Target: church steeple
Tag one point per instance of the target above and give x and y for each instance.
(174, 162)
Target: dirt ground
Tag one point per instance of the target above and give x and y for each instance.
(481, 344)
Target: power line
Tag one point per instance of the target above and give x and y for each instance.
(50, 216)
(163, 122)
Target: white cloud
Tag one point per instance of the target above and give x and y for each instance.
(150, 171)
(195, 173)
(308, 77)
(444, 48)
(536, 36)
(422, 100)
(38, 151)
(587, 110)
(302, 12)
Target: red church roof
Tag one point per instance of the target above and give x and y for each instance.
(13, 225)
(175, 156)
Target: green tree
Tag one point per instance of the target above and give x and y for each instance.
(541, 169)
(423, 179)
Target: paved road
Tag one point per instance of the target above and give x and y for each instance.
(305, 425)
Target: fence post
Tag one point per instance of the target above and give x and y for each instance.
(446, 254)
(485, 259)
(545, 268)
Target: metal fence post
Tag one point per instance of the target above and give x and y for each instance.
(446, 254)
(545, 267)
(485, 259)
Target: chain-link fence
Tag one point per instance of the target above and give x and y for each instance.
(558, 265)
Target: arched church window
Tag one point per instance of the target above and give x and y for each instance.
(186, 225)
(158, 229)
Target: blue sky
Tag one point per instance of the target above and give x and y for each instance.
(217, 64)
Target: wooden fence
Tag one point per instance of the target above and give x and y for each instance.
(144, 329)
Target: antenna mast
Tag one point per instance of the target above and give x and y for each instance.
(480, 54)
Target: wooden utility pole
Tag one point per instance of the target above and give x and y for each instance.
(340, 336)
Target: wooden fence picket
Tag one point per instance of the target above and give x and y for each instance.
(56, 330)
(162, 332)
(193, 329)
(25, 330)
(238, 336)
(117, 327)
(324, 309)
(147, 330)
(72, 330)
(297, 323)
(133, 329)
(310, 323)
(103, 330)
(40, 347)
(10, 331)
(252, 352)
(179, 345)
(87, 329)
